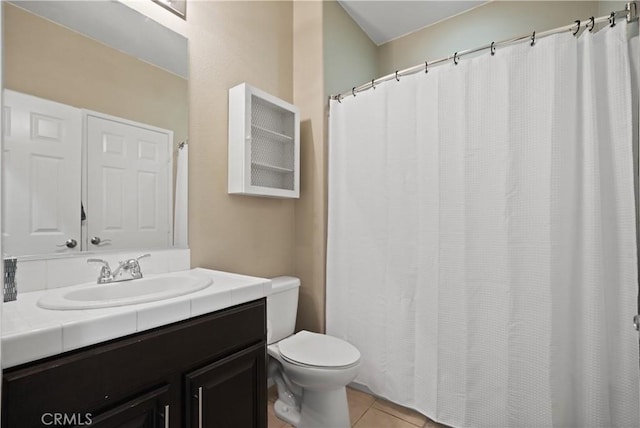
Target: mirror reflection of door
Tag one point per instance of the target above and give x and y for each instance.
(128, 184)
(41, 176)
(126, 67)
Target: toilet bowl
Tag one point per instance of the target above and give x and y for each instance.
(310, 370)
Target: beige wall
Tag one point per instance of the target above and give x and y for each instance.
(49, 61)
(327, 39)
(229, 43)
(350, 57)
(308, 90)
(232, 42)
(493, 21)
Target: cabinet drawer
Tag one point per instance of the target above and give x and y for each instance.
(100, 377)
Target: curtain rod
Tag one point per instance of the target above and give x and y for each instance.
(630, 12)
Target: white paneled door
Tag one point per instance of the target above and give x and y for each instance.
(128, 184)
(41, 175)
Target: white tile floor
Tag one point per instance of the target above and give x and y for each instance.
(367, 411)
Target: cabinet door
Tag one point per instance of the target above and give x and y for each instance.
(149, 410)
(230, 393)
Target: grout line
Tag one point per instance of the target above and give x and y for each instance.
(399, 417)
(363, 413)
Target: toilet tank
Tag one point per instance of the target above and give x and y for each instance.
(282, 308)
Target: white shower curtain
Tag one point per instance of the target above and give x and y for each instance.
(482, 244)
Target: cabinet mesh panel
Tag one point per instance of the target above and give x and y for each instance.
(274, 179)
(272, 153)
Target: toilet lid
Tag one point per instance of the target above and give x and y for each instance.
(313, 349)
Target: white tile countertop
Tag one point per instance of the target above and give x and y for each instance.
(30, 332)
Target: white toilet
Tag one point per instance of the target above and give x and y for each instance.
(310, 370)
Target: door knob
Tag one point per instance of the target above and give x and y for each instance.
(69, 243)
(97, 241)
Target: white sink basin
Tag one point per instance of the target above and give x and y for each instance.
(123, 293)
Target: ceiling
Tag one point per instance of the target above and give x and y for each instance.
(385, 20)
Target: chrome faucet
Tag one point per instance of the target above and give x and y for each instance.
(105, 272)
(130, 267)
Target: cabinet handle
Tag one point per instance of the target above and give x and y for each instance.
(166, 416)
(200, 407)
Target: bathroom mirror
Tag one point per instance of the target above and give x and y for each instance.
(119, 72)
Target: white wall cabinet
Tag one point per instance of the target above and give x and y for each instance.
(264, 144)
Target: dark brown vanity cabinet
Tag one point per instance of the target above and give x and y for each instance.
(208, 371)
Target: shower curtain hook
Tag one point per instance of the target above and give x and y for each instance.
(397, 76)
(455, 58)
(373, 83)
(533, 38)
(426, 67)
(612, 19)
(338, 97)
(353, 91)
(577, 21)
(493, 48)
(592, 21)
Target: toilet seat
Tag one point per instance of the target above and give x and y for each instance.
(318, 350)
